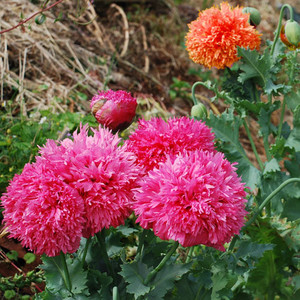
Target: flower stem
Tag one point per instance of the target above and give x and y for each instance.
(279, 24)
(141, 244)
(162, 263)
(86, 247)
(291, 77)
(190, 254)
(193, 91)
(101, 240)
(66, 277)
(115, 293)
(263, 204)
(253, 145)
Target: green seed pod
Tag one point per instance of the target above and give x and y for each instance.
(292, 32)
(255, 17)
(199, 111)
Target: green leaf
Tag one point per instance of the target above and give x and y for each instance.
(293, 141)
(29, 258)
(99, 283)
(221, 279)
(188, 287)
(39, 20)
(260, 68)
(293, 166)
(126, 231)
(135, 274)
(226, 129)
(12, 255)
(266, 127)
(271, 166)
(164, 280)
(293, 99)
(253, 250)
(254, 66)
(54, 275)
(60, 15)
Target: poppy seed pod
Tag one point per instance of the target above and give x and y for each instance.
(114, 109)
(292, 32)
(255, 17)
(199, 111)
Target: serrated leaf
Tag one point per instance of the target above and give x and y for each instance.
(135, 274)
(226, 129)
(293, 141)
(221, 279)
(266, 127)
(271, 166)
(54, 274)
(254, 66)
(188, 287)
(293, 166)
(99, 282)
(293, 99)
(253, 250)
(165, 279)
(126, 231)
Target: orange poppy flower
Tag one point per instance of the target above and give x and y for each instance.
(214, 36)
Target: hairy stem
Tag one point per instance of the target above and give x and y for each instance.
(67, 278)
(101, 240)
(253, 145)
(162, 263)
(279, 24)
(263, 204)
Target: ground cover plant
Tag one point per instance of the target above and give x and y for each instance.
(173, 207)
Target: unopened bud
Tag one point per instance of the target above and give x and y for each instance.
(292, 32)
(255, 17)
(292, 36)
(114, 109)
(199, 111)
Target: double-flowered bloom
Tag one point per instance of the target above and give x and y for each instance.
(214, 36)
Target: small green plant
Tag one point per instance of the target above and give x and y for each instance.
(19, 137)
(179, 89)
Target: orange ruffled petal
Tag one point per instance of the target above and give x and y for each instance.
(214, 36)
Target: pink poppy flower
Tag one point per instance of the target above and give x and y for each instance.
(195, 199)
(42, 211)
(103, 173)
(153, 140)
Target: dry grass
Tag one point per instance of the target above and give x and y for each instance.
(47, 65)
(131, 45)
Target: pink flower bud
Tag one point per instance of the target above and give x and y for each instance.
(114, 109)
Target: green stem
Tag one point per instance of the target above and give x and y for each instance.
(115, 293)
(86, 247)
(279, 24)
(67, 278)
(281, 117)
(193, 91)
(291, 77)
(190, 254)
(162, 263)
(141, 244)
(253, 145)
(263, 204)
(101, 240)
